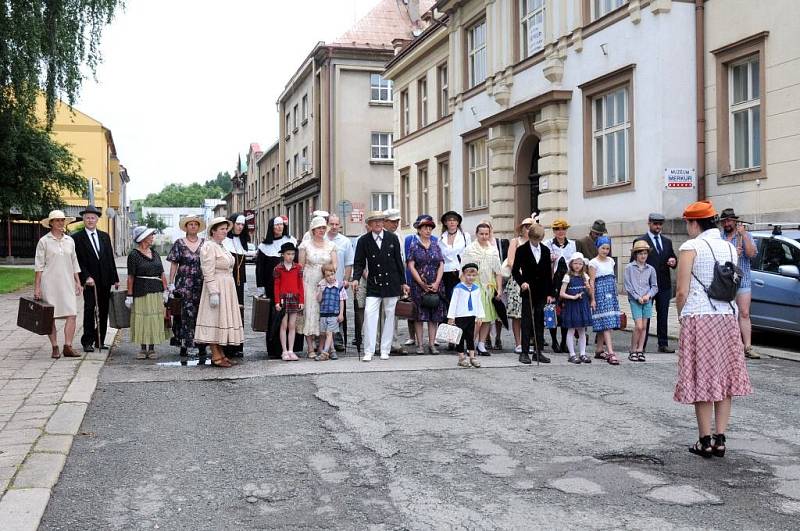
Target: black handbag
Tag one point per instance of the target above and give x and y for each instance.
(725, 282)
(430, 301)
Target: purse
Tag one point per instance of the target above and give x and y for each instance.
(505, 269)
(623, 321)
(406, 309)
(725, 282)
(446, 333)
(550, 320)
(175, 304)
(430, 301)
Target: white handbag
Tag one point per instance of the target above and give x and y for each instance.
(448, 334)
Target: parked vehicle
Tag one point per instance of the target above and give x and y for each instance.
(250, 257)
(776, 280)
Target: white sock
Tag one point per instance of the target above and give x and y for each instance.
(570, 343)
(581, 340)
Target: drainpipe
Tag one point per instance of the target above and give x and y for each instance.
(700, 68)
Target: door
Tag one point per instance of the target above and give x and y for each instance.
(776, 298)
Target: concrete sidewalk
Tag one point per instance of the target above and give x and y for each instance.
(42, 404)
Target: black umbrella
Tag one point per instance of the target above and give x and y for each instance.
(275, 326)
(500, 308)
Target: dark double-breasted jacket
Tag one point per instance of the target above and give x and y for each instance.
(384, 265)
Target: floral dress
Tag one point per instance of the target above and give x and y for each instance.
(427, 262)
(188, 285)
(316, 257)
(512, 291)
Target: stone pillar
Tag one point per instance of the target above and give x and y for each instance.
(501, 179)
(551, 127)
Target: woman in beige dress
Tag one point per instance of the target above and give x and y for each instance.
(219, 322)
(57, 283)
(314, 253)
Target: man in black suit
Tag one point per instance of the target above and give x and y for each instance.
(378, 251)
(532, 271)
(662, 258)
(98, 268)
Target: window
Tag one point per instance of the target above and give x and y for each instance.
(306, 165)
(288, 124)
(423, 192)
(476, 53)
(405, 114)
(443, 172)
(294, 113)
(380, 89)
(422, 102)
(382, 201)
(610, 134)
(381, 146)
(477, 178)
(405, 197)
(295, 165)
(531, 26)
(601, 8)
(305, 108)
(744, 108)
(288, 170)
(444, 100)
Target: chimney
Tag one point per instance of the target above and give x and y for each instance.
(398, 44)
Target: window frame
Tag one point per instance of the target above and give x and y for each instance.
(304, 107)
(380, 197)
(726, 57)
(595, 13)
(473, 52)
(422, 102)
(606, 132)
(295, 113)
(611, 82)
(471, 187)
(423, 188)
(405, 196)
(380, 87)
(442, 90)
(405, 113)
(288, 124)
(523, 19)
(379, 146)
(443, 183)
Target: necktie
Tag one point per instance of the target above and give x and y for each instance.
(469, 301)
(658, 244)
(95, 245)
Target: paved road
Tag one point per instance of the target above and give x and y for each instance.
(415, 443)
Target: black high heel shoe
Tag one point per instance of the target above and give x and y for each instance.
(702, 447)
(718, 448)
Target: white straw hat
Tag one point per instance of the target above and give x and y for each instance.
(56, 214)
(317, 222)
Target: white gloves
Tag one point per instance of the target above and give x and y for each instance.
(171, 287)
(129, 302)
(165, 295)
(213, 300)
(260, 291)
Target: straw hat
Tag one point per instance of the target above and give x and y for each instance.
(640, 245)
(197, 219)
(317, 222)
(219, 220)
(375, 215)
(560, 223)
(56, 214)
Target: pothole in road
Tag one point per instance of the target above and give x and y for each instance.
(630, 458)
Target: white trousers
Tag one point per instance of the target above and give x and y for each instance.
(372, 312)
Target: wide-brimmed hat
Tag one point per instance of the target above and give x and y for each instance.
(640, 245)
(526, 221)
(218, 221)
(599, 226)
(197, 219)
(320, 214)
(451, 214)
(577, 255)
(91, 209)
(317, 222)
(656, 217)
(375, 215)
(424, 219)
(56, 214)
(699, 210)
(392, 214)
(560, 223)
(142, 232)
(728, 213)
(288, 246)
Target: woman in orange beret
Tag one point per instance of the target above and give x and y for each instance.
(711, 366)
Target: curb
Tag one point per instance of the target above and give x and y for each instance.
(29, 489)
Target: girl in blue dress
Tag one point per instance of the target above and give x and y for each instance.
(605, 306)
(576, 314)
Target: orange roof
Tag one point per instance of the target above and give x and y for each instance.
(388, 20)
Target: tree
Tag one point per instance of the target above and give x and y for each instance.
(35, 170)
(223, 182)
(154, 222)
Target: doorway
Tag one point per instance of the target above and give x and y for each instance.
(527, 177)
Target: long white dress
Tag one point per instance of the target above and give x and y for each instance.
(221, 325)
(316, 257)
(57, 262)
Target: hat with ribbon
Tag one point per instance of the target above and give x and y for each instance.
(317, 222)
(577, 255)
(423, 220)
(392, 214)
(56, 214)
(728, 213)
(699, 210)
(192, 219)
(214, 223)
(376, 215)
(451, 214)
(640, 245)
(141, 233)
(599, 226)
(91, 209)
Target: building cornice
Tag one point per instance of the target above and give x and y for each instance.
(519, 110)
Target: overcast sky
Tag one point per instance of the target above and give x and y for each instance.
(186, 85)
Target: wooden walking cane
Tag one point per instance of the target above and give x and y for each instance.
(97, 319)
(533, 326)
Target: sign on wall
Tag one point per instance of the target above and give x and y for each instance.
(356, 215)
(535, 35)
(250, 219)
(680, 178)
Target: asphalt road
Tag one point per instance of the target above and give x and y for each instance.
(415, 443)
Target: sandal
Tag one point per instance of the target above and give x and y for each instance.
(221, 362)
(633, 356)
(475, 363)
(718, 448)
(641, 357)
(464, 363)
(600, 355)
(322, 356)
(702, 447)
(585, 358)
(574, 359)
(611, 358)
(420, 350)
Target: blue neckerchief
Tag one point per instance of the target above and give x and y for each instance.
(463, 286)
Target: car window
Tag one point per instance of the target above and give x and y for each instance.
(755, 262)
(777, 253)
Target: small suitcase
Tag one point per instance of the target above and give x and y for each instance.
(119, 315)
(35, 316)
(405, 309)
(260, 317)
(175, 304)
(550, 313)
(446, 333)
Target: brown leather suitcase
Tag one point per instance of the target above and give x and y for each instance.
(405, 309)
(35, 316)
(119, 315)
(262, 310)
(175, 304)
